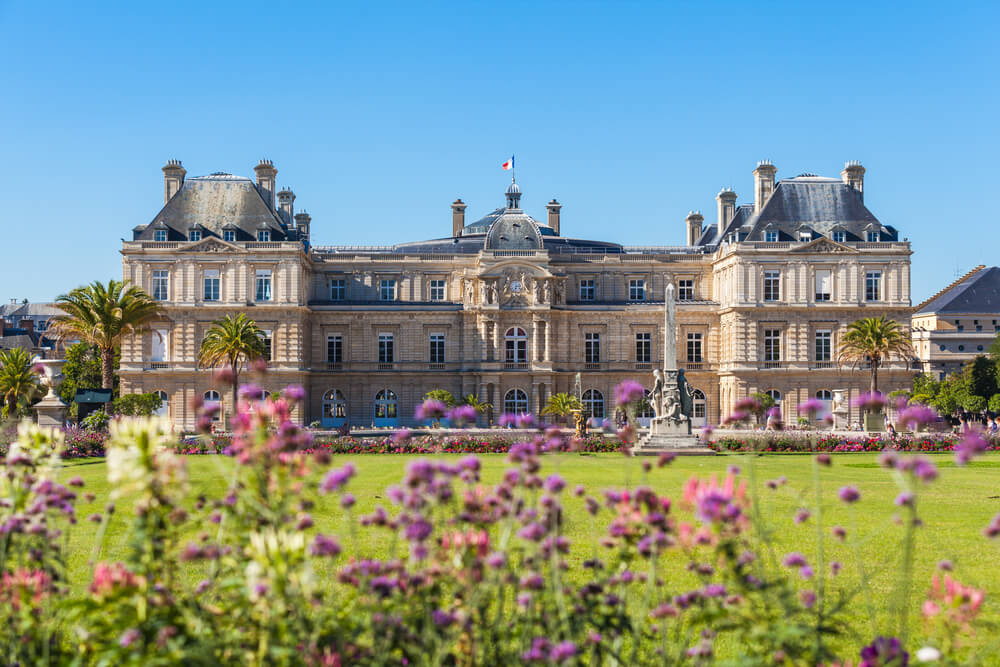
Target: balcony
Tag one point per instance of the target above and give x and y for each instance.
(767, 365)
(821, 364)
(385, 365)
(435, 366)
(695, 365)
(158, 365)
(334, 366)
(643, 365)
(515, 365)
(592, 366)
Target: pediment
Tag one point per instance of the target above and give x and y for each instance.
(213, 245)
(509, 268)
(824, 244)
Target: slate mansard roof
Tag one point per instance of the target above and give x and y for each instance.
(213, 203)
(978, 292)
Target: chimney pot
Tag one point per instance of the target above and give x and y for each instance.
(173, 179)
(457, 217)
(554, 209)
(854, 176)
(266, 180)
(763, 181)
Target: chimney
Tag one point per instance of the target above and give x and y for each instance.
(286, 205)
(727, 209)
(854, 175)
(266, 179)
(763, 183)
(173, 179)
(457, 217)
(694, 222)
(27, 325)
(554, 207)
(302, 221)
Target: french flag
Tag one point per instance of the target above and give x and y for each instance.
(509, 164)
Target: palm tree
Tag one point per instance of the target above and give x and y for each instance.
(482, 407)
(103, 315)
(18, 380)
(874, 341)
(562, 405)
(231, 341)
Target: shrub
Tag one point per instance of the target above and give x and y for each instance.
(96, 420)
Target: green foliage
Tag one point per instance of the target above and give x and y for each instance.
(96, 421)
(83, 371)
(18, 381)
(562, 405)
(765, 401)
(136, 405)
(974, 403)
(481, 407)
(874, 341)
(982, 377)
(994, 403)
(442, 395)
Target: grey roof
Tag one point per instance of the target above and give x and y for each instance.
(211, 203)
(482, 225)
(513, 230)
(709, 235)
(976, 293)
(15, 310)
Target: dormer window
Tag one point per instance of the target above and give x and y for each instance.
(805, 235)
(194, 235)
(264, 235)
(229, 235)
(840, 237)
(771, 236)
(872, 237)
(160, 235)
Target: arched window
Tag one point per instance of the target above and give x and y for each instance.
(593, 403)
(334, 408)
(212, 398)
(515, 401)
(826, 397)
(164, 409)
(699, 408)
(776, 395)
(516, 346)
(386, 408)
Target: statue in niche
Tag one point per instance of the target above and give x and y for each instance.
(470, 292)
(547, 291)
(492, 291)
(483, 292)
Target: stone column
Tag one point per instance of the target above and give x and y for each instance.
(548, 340)
(497, 351)
(535, 356)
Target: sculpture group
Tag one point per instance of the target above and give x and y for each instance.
(671, 401)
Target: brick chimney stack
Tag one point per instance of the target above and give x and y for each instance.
(173, 179)
(267, 178)
(763, 183)
(854, 175)
(457, 217)
(554, 207)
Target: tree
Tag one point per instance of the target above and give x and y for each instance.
(82, 370)
(925, 389)
(136, 405)
(562, 405)
(874, 341)
(974, 403)
(103, 315)
(442, 395)
(231, 341)
(982, 377)
(481, 407)
(766, 402)
(994, 404)
(18, 380)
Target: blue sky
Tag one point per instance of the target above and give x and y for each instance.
(379, 115)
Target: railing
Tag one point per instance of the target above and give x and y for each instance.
(821, 364)
(771, 364)
(694, 365)
(334, 366)
(643, 365)
(516, 253)
(159, 365)
(435, 366)
(385, 365)
(515, 365)
(160, 245)
(592, 366)
(262, 245)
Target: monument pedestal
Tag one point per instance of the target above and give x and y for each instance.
(51, 412)
(667, 435)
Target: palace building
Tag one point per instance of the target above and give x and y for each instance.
(512, 308)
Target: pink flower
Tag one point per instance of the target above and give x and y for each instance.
(916, 415)
(849, 494)
(629, 391)
(811, 407)
(872, 401)
(431, 410)
(462, 414)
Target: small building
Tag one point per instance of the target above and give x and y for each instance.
(958, 323)
(89, 400)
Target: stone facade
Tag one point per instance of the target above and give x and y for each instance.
(508, 308)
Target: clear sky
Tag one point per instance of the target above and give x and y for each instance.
(379, 115)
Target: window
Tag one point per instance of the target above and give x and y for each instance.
(335, 349)
(515, 346)
(943, 348)
(772, 285)
(334, 407)
(694, 348)
(592, 348)
(385, 348)
(637, 289)
(267, 337)
(164, 409)
(824, 345)
(437, 348)
(840, 237)
(588, 290)
(160, 235)
(264, 235)
(194, 235)
(979, 348)
(644, 348)
(386, 406)
(771, 236)
(959, 326)
(515, 401)
(873, 286)
(872, 237)
(685, 290)
(161, 285)
(229, 235)
(159, 346)
(387, 290)
(961, 348)
(772, 345)
(593, 403)
(338, 289)
(437, 290)
(805, 235)
(263, 284)
(776, 395)
(700, 405)
(213, 400)
(824, 281)
(824, 395)
(211, 282)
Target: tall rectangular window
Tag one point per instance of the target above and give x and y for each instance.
(437, 290)
(229, 235)
(194, 235)
(437, 348)
(644, 348)
(637, 289)
(335, 349)
(685, 290)
(824, 283)
(160, 235)
(592, 348)
(263, 285)
(211, 283)
(772, 285)
(588, 290)
(824, 345)
(840, 237)
(387, 290)
(873, 286)
(159, 350)
(338, 289)
(161, 285)
(772, 345)
(268, 337)
(385, 349)
(264, 235)
(694, 348)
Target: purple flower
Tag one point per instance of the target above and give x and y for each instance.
(538, 652)
(923, 469)
(419, 530)
(706, 432)
(747, 405)
(808, 599)
(811, 407)
(336, 479)
(993, 529)
(347, 500)
(462, 414)
(532, 581)
(802, 516)
(629, 391)
(554, 483)
(971, 444)
(250, 392)
(839, 532)
(526, 420)
(533, 531)
(442, 619)
(872, 401)
(562, 651)
(508, 419)
(905, 499)
(76, 481)
(794, 559)
(824, 459)
(401, 436)
(849, 494)
(916, 415)
(714, 591)
(806, 572)
(431, 409)
(835, 567)
(129, 637)
(884, 652)
(324, 546)
(496, 560)
(295, 392)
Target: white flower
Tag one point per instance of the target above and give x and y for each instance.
(928, 654)
(138, 454)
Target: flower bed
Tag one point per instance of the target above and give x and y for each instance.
(804, 442)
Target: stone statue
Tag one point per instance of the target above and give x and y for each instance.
(547, 291)
(656, 393)
(493, 291)
(483, 292)
(686, 392)
(672, 407)
(470, 292)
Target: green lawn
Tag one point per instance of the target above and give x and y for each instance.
(954, 509)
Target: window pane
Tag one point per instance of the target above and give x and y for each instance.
(263, 285)
(824, 281)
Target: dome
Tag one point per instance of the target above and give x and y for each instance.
(513, 189)
(513, 231)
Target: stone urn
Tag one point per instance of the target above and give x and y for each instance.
(50, 411)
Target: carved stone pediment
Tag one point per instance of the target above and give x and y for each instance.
(825, 245)
(213, 245)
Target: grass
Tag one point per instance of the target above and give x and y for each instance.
(954, 510)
